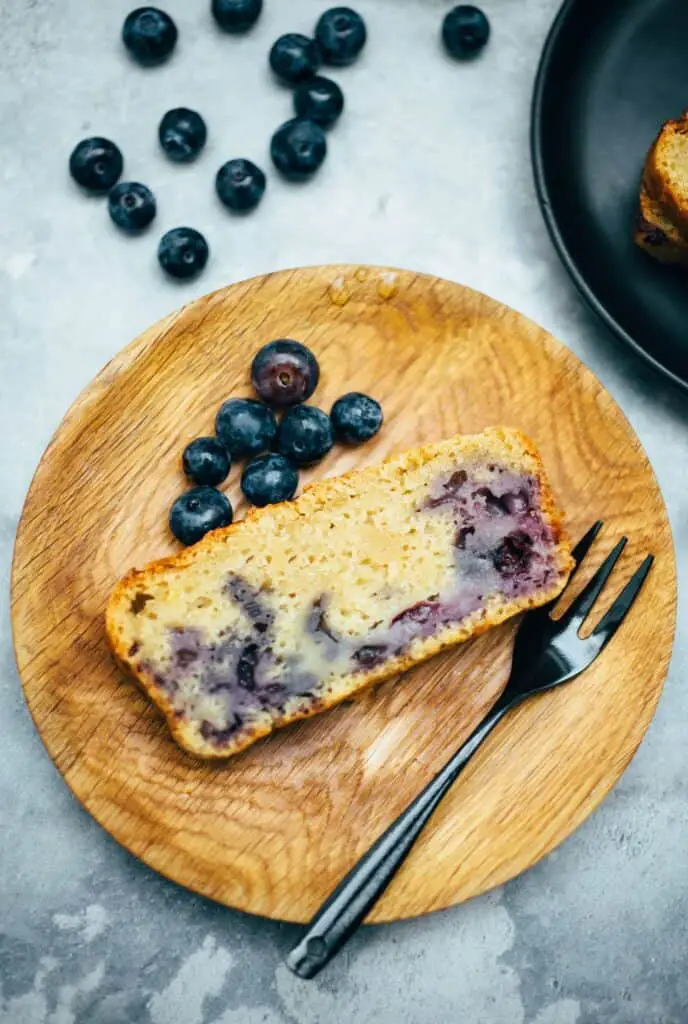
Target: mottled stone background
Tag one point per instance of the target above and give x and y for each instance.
(429, 169)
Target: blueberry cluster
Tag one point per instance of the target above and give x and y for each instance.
(284, 374)
(297, 148)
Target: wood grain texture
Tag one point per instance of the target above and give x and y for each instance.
(273, 830)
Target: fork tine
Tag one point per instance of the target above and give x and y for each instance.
(584, 544)
(578, 553)
(582, 604)
(611, 621)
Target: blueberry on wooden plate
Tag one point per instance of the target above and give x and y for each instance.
(96, 164)
(320, 100)
(465, 31)
(356, 418)
(206, 461)
(183, 253)
(236, 16)
(269, 479)
(294, 58)
(305, 435)
(298, 148)
(240, 185)
(197, 512)
(149, 35)
(131, 206)
(245, 427)
(182, 134)
(285, 372)
(341, 35)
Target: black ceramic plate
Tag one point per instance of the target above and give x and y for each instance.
(611, 72)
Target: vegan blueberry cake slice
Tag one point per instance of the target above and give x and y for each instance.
(305, 603)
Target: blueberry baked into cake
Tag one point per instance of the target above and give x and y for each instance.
(303, 604)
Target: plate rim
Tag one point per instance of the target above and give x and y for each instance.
(547, 60)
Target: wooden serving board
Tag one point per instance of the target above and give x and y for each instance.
(273, 830)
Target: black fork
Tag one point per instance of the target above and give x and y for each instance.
(547, 652)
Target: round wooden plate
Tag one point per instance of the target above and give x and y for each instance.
(273, 830)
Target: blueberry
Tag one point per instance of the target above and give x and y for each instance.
(319, 100)
(370, 655)
(269, 479)
(298, 148)
(197, 512)
(305, 435)
(513, 554)
(240, 185)
(182, 134)
(285, 372)
(183, 252)
(245, 427)
(294, 58)
(149, 35)
(206, 461)
(246, 666)
(465, 30)
(96, 164)
(341, 35)
(356, 418)
(131, 206)
(236, 15)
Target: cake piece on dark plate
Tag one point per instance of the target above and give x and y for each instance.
(306, 603)
(657, 234)
(661, 227)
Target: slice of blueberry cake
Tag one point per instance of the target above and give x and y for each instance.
(304, 604)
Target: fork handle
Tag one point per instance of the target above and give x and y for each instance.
(343, 911)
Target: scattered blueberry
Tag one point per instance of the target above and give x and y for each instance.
(206, 461)
(240, 185)
(356, 418)
(341, 35)
(182, 134)
(197, 512)
(183, 252)
(236, 15)
(149, 35)
(320, 100)
(131, 206)
(294, 58)
(245, 427)
(269, 479)
(96, 164)
(305, 435)
(465, 31)
(298, 148)
(285, 372)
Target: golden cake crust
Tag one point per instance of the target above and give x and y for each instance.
(657, 234)
(666, 172)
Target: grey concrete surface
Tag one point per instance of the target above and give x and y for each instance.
(430, 170)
